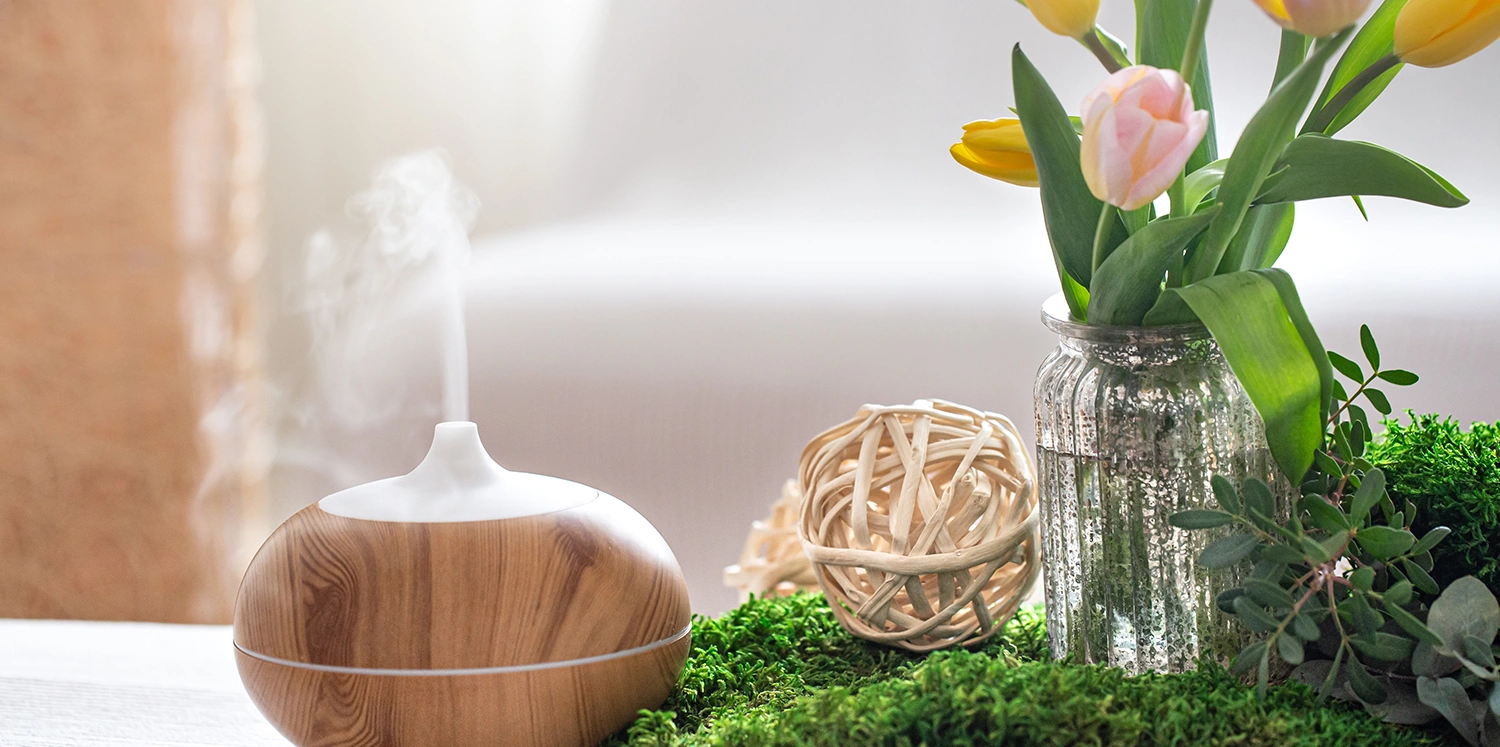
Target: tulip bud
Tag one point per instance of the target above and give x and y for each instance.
(1139, 128)
(1314, 17)
(998, 150)
(1434, 33)
(1070, 18)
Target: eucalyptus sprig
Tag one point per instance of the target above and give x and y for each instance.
(1339, 584)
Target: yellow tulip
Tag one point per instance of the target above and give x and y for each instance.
(1070, 18)
(1314, 17)
(1434, 33)
(998, 150)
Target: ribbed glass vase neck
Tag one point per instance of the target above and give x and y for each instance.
(1056, 316)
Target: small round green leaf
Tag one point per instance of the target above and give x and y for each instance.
(1367, 688)
(1225, 552)
(1431, 539)
(1305, 628)
(1290, 649)
(1412, 625)
(1268, 594)
(1384, 542)
(1199, 518)
(1363, 578)
(1225, 599)
(1378, 400)
(1346, 367)
(1281, 554)
(1324, 515)
(1258, 497)
(1384, 646)
(1253, 616)
(1367, 342)
(1399, 593)
(1225, 494)
(1399, 377)
(1419, 577)
(1248, 658)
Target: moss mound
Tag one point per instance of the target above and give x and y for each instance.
(1453, 478)
(782, 672)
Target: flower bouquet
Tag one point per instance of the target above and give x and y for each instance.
(1160, 244)
(1340, 586)
(1209, 255)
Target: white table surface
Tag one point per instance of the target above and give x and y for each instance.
(67, 683)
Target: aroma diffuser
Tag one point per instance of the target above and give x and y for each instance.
(461, 604)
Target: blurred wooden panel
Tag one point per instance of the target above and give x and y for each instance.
(129, 177)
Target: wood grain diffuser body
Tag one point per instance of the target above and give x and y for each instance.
(461, 604)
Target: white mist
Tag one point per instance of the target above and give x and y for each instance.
(376, 307)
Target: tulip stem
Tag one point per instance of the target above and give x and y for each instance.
(1101, 234)
(1330, 111)
(1194, 48)
(1096, 45)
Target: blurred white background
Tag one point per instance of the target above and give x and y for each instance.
(710, 229)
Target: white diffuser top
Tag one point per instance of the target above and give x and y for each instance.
(457, 481)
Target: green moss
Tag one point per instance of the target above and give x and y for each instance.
(1453, 478)
(782, 672)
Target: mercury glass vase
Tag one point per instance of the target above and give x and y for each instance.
(1132, 423)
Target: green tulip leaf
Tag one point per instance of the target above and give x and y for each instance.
(1293, 302)
(1318, 166)
(1129, 280)
(1170, 309)
(1293, 51)
(1197, 185)
(1374, 41)
(1112, 44)
(1270, 354)
(1261, 238)
(1162, 29)
(1256, 153)
(1069, 210)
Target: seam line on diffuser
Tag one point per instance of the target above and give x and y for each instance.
(679, 635)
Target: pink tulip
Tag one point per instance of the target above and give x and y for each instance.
(1139, 128)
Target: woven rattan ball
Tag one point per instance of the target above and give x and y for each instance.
(921, 523)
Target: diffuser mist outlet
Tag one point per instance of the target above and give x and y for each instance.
(461, 604)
